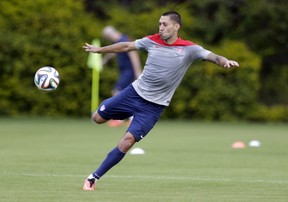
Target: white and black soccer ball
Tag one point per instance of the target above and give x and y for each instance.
(47, 79)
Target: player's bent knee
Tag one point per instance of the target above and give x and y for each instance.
(97, 118)
(126, 142)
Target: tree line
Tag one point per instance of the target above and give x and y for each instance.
(46, 32)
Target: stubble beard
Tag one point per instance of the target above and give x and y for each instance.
(165, 38)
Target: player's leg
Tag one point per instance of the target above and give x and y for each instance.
(126, 142)
(117, 107)
(97, 118)
(146, 115)
(124, 81)
(111, 108)
(115, 122)
(112, 123)
(113, 157)
(145, 119)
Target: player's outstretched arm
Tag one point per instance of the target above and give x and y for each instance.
(115, 48)
(221, 61)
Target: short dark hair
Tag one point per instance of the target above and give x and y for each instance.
(173, 16)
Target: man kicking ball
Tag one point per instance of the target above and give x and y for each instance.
(169, 57)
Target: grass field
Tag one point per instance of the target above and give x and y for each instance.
(48, 160)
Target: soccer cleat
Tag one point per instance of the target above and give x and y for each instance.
(89, 183)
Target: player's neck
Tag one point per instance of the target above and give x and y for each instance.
(171, 40)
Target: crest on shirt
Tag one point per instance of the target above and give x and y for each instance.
(179, 50)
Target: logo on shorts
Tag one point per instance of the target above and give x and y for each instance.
(142, 136)
(102, 108)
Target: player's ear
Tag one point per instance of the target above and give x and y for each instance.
(177, 26)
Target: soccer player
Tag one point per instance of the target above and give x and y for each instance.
(128, 63)
(169, 57)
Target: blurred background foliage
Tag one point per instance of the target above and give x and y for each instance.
(46, 32)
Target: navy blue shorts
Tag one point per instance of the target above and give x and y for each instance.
(128, 103)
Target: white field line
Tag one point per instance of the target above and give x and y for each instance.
(152, 177)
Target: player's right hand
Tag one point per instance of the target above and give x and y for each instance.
(91, 48)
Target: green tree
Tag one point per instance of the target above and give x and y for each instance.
(262, 25)
(44, 33)
(265, 29)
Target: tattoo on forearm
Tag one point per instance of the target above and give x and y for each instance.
(216, 59)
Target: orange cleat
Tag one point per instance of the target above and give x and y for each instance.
(89, 183)
(115, 123)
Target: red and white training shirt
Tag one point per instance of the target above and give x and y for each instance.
(165, 67)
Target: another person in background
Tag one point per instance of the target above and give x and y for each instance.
(128, 63)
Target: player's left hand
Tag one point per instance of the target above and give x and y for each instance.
(231, 63)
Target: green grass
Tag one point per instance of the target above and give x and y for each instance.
(47, 160)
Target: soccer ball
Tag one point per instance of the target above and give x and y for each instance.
(47, 79)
